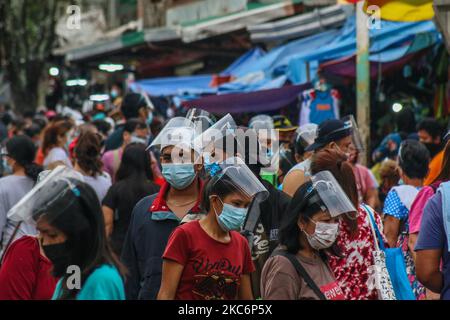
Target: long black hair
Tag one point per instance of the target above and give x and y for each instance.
(304, 204)
(77, 214)
(23, 151)
(135, 163)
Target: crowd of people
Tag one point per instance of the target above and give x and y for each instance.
(196, 207)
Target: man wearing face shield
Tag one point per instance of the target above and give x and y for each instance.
(335, 134)
(209, 259)
(156, 216)
(299, 269)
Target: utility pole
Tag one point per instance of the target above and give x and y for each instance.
(363, 79)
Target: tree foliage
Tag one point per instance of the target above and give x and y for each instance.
(27, 36)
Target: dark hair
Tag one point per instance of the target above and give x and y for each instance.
(29, 114)
(336, 162)
(6, 118)
(302, 206)
(432, 127)
(33, 130)
(102, 126)
(131, 104)
(444, 175)
(134, 123)
(79, 216)
(286, 161)
(88, 153)
(52, 132)
(220, 186)
(135, 163)
(299, 146)
(23, 151)
(414, 159)
(406, 121)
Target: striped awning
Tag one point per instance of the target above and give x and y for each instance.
(299, 26)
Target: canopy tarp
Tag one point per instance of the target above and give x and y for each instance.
(299, 60)
(259, 101)
(392, 41)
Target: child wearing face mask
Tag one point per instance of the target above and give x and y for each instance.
(210, 259)
(299, 269)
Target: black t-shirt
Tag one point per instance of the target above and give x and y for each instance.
(121, 198)
(266, 232)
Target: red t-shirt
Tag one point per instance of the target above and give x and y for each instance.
(212, 270)
(25, 273)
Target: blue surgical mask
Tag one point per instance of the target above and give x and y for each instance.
(180, 176)
(231, 218)
(7, 169)
(149, 118)
(114, 94)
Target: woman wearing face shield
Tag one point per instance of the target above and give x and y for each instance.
(210, 259)
(72, 237)
(299, 269)
(356, 241)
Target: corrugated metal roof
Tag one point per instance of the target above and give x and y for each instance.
(299, 26)
(187, 33)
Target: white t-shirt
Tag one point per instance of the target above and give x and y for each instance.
(100, 184)
(57, 154)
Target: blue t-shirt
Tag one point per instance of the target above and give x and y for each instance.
(432, 236)
(105, 283)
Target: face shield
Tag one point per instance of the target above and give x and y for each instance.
(306, 134)
(201, 119)
(178, 132)
(218, 142)
(52, 187)
(236, 176)
(356, 136)
(331, 194)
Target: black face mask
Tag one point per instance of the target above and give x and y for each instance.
(433, 148)
(59, 255)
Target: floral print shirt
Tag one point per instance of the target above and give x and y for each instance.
(352, 268)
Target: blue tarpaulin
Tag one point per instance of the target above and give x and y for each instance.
(392, 41)
(257, 70)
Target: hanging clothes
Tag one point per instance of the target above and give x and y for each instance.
(318, 106)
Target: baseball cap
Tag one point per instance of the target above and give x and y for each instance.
(282, 123)
(329, 131)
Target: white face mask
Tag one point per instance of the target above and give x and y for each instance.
(324, 236)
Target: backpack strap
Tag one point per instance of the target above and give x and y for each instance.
(301, 272)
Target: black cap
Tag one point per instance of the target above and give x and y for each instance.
(329, 131)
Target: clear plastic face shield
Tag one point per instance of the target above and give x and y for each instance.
(331, 194)
(307, 134)
(218, 141)
(201, 119)
(52, 187)
(240, 179)
(264, 126)
(179, 134)
(356, 136)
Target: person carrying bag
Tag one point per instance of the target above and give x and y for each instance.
(390, 274)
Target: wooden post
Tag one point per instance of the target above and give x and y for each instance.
(363, 79)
